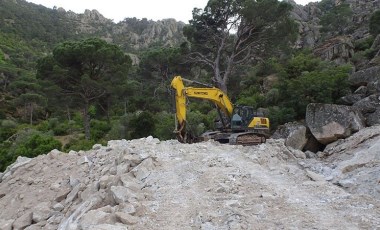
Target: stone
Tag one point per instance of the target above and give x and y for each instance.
(73, 153)
(6, 224)
(346, 183)
(363, 77)
(126, 218)
(58, 207)
(127, 208)
(97, 146)
(373, 119)
(108, 181)
(84, 160)
(310, 154)
(315, 176)
(73, 194)
(89, 191)
(73, 181)
(95, 217)
(20, 161)
(54, 153)
(368, 104)
(131, 182)
(108, 227)
(122, 194)
(294, 134)
(62, 194)
(329, 122)
(143, 170)
(23, 221)
(351, 99)
(41, 212)
(299, 154)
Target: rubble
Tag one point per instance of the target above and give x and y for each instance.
(152, 184)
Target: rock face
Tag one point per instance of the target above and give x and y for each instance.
(329, 46)
(328, 122)
(338, 49)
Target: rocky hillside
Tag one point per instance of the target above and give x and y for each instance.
(335, 44)
(149, 184)
(31, 21)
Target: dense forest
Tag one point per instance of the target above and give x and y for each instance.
(67, 89)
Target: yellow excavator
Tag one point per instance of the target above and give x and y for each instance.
(237, 124)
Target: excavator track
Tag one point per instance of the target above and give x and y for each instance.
(247, 138)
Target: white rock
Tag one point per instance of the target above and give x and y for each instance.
(95, 217)
(108, 227)
(122, 194)
(315, 176)
(23, 221)
(41, 212)
(58, 207)
(126, 218)
(97, 146)
(6, 224)
(73, 194)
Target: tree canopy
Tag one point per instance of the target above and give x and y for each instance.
(228, 33)
(83, 70)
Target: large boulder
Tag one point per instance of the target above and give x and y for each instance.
(370, 108)
(366, 76)
(329, 122)
(294, 134)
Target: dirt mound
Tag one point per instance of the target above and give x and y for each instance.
(149, 184)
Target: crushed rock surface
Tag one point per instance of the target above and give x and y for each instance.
(152, 184)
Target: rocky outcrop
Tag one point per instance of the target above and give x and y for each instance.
(338, 49)
(307, 18)
(366, 98)
(329, 122)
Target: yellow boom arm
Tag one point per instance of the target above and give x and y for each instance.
(215, 95)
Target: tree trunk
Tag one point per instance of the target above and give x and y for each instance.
(31, 113)
(86, 120)
(68, 113)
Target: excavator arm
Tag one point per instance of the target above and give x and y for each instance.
(212, 94)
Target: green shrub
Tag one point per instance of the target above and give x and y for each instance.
(5, 158)
(7, 129)
(280, 115)
(164, 126)
(142, 125)
(29, 143)
(79, 144)
(99, 129)
(364, 44)
(32, 143)
(374, 23)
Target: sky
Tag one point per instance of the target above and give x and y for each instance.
(117, 10)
